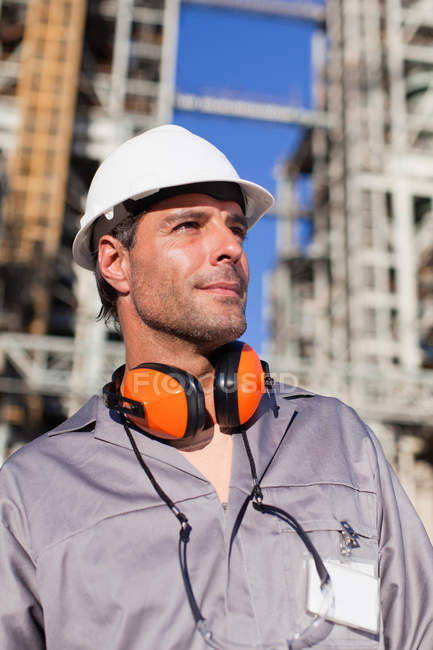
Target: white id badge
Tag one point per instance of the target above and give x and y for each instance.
(356, 594)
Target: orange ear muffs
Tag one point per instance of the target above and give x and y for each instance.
(169, 402)
(165, 401)
(173, 399)
(238, 385)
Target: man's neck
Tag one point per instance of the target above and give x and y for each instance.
(162, 348)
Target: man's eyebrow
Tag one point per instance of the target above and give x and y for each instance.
(185, 213)
(238, 218)
(182, 213)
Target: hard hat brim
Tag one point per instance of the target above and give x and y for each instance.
(258, 201)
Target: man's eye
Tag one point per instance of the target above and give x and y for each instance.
(239, 232)
(188, 225)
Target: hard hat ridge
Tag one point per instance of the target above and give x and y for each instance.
(160, 158)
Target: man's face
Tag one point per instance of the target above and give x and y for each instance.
(189, 272)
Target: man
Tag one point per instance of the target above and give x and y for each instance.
(218, 541)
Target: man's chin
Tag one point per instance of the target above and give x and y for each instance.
(207, 326)
(220, 333)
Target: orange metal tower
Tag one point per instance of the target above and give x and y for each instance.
(46, 95)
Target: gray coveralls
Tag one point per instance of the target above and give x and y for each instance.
(89, 552)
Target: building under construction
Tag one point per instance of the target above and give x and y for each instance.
(355, 315)
(77, 78)
(353, 300)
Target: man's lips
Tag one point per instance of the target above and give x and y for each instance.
(223, 288)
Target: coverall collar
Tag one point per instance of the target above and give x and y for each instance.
(107, 427)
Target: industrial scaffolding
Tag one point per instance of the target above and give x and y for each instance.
(353, 310)
(76, 79)
(353, 305)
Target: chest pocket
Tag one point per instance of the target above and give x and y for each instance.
(321, 509)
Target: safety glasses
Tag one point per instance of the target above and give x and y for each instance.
(314, 628)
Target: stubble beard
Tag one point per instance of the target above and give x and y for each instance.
(188, 321)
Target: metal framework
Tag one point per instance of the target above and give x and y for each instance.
(301, 10)
(358, 299)
(46, 95)
(355, 310)
(125, 84)
(38, 171)
(46, 364)
(251, 110)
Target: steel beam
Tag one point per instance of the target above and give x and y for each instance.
(302, 10)
(390, 395)
(252, 110)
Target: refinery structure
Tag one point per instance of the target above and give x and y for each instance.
(77, 78)
(353, 306)
(351, 311)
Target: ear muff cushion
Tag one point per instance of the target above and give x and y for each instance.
(226, 384)
(238, 384)
(173, 399)
(251, 383)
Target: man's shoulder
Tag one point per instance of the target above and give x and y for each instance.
(47, 478)
(325, 420)
(325, 441)
(317, 404)
(82, 420)
(37, 457)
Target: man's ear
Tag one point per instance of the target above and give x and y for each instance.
(113, 261)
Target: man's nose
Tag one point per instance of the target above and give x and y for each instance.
(226, 245)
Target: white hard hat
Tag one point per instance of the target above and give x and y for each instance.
(163, 157)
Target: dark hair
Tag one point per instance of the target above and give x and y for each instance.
(125, 233)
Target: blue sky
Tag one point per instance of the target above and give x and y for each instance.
(241, 54)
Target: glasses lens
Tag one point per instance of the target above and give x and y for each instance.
(314, 630)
